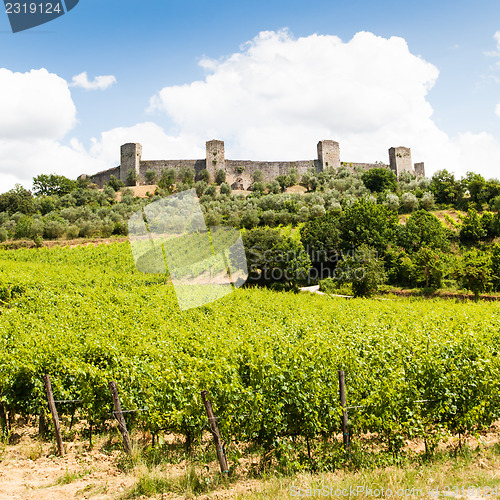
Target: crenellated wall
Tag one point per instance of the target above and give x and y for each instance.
(239, 173)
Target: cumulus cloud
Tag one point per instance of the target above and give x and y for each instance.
(98, 83)
(156, 143)
(278, 95)
(37, 104)
(272, 99)
(497, 109)
(36, 113)
(495, 53)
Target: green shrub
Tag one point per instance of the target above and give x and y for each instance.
(220, 176)
(151, 176)
(131, 178)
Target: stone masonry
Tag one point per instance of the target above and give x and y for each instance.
(239, 172)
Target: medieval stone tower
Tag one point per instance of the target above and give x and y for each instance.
(131, 154)
(400, 160)
(329, 154)
(239, 173)
(215, 157)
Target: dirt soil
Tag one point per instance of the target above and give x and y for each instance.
(29, 470)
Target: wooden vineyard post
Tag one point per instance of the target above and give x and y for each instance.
(343, 403)
(53, 411)
(119, 417)
(214, 429)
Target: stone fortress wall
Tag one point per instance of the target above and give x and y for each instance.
(239, 172)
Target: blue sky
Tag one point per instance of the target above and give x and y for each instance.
(154, 48)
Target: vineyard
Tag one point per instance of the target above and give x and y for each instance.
(269, 360)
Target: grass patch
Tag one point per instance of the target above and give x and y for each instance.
(70, 476)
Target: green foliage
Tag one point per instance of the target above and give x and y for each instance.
(423, 229)
(258, 188)
(200, 187)
(131, 178)
(151, 176)
(225, 188)
(379, 180)
(186, 176)
(284, 181)
(167, 179)
(17, 199)
(364, 270)
(220, 176)
(48, 185)
(203, 176)
(115, 183)
(409, 202)
(366, 223)
(427, 201)
(275, 258)
(475, 272)
(445, 188)
(472, 229)
(274, 187)
(475, 184)
(495, 266)
(321, 240)
(272, 355)
(258, 176)
(490, 222)
(428, 268)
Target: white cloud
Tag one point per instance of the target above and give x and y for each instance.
(497, 109)
(37, 104)
(278, 96)
(495, 53)
(99, 83)
(156, 144)
(273, 99)
(36, 113)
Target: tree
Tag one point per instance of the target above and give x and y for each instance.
(220, 176)
(203, 175)
(495, 265)
(428, 268)
(445, 188)
(293, 176)
(258, 176)
(187, 175)
(200, 187)
(475, 272)
(472, 230)
(475, 185)
(131, 178)
(17, 199)
(274, 258)
(392, 201)
(423, 229)
(489, 224)
(364, 270)
(115, 183)
(167, 179)
(428, 200)
(409, 202)
(47, 185)
(364, 222)
(283, 181)
(379, 179)
(151, 176)
(321, 240)
(258, 188)
(274, 187)
(225, 188)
